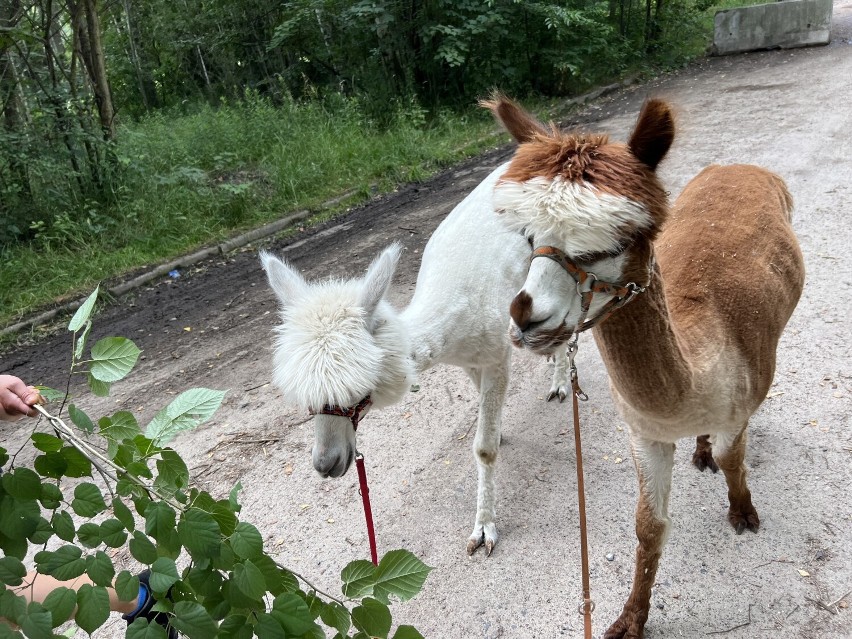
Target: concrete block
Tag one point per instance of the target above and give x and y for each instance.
(783, 25)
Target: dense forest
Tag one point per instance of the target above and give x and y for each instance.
(112, 106)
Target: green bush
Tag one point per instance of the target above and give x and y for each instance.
(221, 583)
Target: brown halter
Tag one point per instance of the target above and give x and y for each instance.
(621, 294)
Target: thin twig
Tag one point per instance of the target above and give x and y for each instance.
(830, 607)
(256, 387)
(310, 585)
(792, 611)
(774, 561)
(742, 625)
(89, 452)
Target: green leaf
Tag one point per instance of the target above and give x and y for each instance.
(123, 514)
(50, 394)
(188, 410)
(336, 616)
(407, 632)
(84, 312)
(46, 443)
(206, 582)
(113, 533)
(267, 627)
(401, 574)
(99, 388)
(12, 571)
(51, 465)
(117, 428)
(89, 535)
(224, 516)
(372, 617)
(293, 614)
(92, 607)
(173, 475)
(63, 525)
(164, 575)
(88, 500)
(113, 358)
(127, 586)
(13, 547)
(143, 629)
(247, 541)
(159, 520)
(64, 564)
(78, 465)
(199, 533)
(232, 497)
(100, 569)
(81, 341)
(22, 483)
(193, 620)
(80, 419)
(358, 578)
(274, 575)
(36, 622)
(249, 579)
(51, 496)
(142, 549)
(61, 603)
(12, 606)
(235, 627)
(18, 518)
(42, 533)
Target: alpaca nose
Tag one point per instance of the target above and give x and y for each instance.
(329, 464)
(520, 310)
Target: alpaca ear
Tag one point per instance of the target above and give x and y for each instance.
(653, 134)
(519, 123)
(378, 278)
(285, 281)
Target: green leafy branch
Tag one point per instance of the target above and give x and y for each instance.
(208, 569)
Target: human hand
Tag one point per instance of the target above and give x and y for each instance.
(17, 399)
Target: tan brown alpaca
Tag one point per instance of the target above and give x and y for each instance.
(710, 283)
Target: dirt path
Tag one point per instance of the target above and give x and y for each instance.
(786, 110)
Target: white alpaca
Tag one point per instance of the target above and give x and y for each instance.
(340, 342)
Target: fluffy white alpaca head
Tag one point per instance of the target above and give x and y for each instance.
(338, 342)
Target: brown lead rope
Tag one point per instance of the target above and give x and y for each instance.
(588, 606)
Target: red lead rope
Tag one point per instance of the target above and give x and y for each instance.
(368, 512)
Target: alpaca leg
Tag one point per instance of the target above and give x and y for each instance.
(492, 391)
(561, 385)
(654, 462)
(730, 454)
(703, 456)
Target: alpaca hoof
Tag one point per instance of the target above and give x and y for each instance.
(483, 536)
(704, 459)
(625, 628)
(744, 520)
(561, 392)
(473, 544)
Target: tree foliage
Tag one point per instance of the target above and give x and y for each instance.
(108, 483)
(72, 71)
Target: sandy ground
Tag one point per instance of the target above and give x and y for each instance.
(790, 111)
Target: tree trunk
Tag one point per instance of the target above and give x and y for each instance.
(13, 108)
(87, 24)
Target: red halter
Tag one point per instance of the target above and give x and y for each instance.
(354, 414)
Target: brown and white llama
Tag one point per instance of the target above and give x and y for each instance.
(710, 283)
(342, 348)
